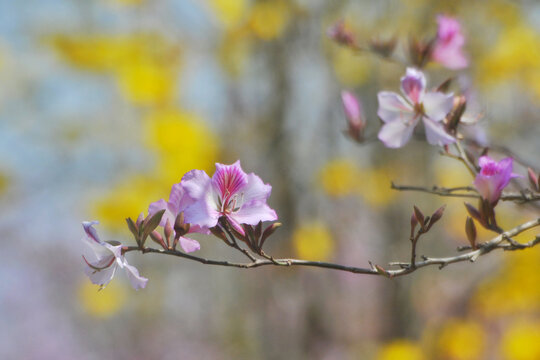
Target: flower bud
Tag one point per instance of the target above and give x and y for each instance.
(470, 230)
(436, 216)
(385, 48)
(454, 117)
(340, 34)
(355, 117)
(419, 51)
(419, 216)
(533, 179)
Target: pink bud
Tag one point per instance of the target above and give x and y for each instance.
(354, 113)
(340, 34)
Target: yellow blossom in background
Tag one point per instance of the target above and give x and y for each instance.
(229, 12)
(461, 340)
(182, 141)
(351, 69)
(515, 289)
(339, 177)
(147, 83)
(516, 56)
(521, 341)
(269, 19)
(400, 350)
(313, 241)
(103, 303)
(128, 199)
(342, 177)
(128, 2)
(4, 182)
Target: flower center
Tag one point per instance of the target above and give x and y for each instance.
(490, 169)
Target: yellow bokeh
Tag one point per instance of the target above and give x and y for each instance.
(351, 69)
(230, 12)
(147, 83)
(182, 141)
(102, 303)
(521, 341)
(400, 350)
(128, 199)
(342, 177)
(339, 177)
(313, 241)
(269, 19)
(515, 57)
(4, 182)
(234, 51)
(461, 340)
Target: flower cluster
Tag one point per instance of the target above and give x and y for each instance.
(195, 205)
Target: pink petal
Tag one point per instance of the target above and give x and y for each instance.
(392, 107)
(189, 245)
(196, 184)
(435, 133)
(437, 105)
(413, 85)
(162, 205)
(396, 134)
(203, 212)
(254, 207)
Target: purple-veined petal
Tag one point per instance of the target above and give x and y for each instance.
(189, 245)
(413, 85)
(396, 134)
(137, 281)
(435, 133)
(437, 105)
(392, 107)
(90, 231)
(229, 180)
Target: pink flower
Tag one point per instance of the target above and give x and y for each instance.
(108, 257)
(493, 178)
(354, 114)
(448, 45)
(178, 202)
(401, 115)
(231, 193)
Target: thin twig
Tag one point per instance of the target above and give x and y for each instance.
(405, 268)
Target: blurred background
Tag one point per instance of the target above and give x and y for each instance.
(104, 104)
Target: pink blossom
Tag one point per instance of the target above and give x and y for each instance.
(355, 116)
(231, 193)
(108, 257)
(401, 115)
(178, 202)
(493, 177)
(449, 43)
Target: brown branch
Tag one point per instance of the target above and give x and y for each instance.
(458, 192)
(405, 268)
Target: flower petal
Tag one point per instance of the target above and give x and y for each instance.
(254, 207)
(392, 107)
(396, 134)
(100, 277)
(90, 231)
(162, 205)
(413, 85)
(437, 105)
(352, 107)
(435, 133)
(189, 245)
(229, 180)
(203, 212)
(137, 281)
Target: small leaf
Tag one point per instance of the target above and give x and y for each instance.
(258, 230)
(470, 230)
(445, 85)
